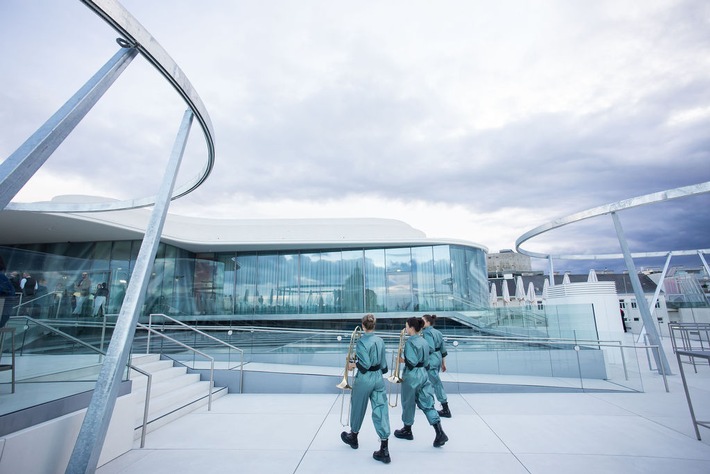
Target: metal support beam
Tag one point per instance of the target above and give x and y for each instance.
(89, 443)
(552, 271)
(659, 286)
(19, 167)
(641, 302)
(705, 264)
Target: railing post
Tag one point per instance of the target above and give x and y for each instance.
(150, 325)
(623, 361)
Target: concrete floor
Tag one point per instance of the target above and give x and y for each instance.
(501, 433)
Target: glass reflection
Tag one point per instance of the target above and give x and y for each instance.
(241, 287)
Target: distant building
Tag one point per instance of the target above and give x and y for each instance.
(507, 262)
(687, 294)
(627, 304)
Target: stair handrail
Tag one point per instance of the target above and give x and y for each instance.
(147, 402)
(101, 354)
(175, 341)
(23, 300)
(202, 333)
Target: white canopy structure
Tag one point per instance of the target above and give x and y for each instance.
(493, 295)
(530, 296)
(592, 276)
(505, 291)
(519, 289)
(545, 289)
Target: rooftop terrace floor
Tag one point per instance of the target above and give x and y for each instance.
(502, 433)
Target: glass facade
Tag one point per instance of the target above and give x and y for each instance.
(244, 286)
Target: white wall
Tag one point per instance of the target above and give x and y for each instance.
(604, 299)
(633, 315)
(47, 447)
(694, 315)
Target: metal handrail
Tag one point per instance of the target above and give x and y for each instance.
(684, 331)
(501, 339)
(387, 334)
(598, 343)
(194, 329)
(175, 341)
(21, 303)
(12, 365)
(147, 401)
(101, 353)
(393, 335)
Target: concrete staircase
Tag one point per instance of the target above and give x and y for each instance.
(173, 393)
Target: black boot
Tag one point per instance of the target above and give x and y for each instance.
(444, 412)
(441, 437)
(349, 438)
(404, 433)
(383, 454)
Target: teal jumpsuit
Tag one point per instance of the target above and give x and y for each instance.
(369, 384)
(437, 351)
(416, 387)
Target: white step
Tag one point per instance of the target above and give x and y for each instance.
(154, 424)
(138, 359)
(173, 393)
(169, 401)
(165, 386)
(152, 366)
(160, 376)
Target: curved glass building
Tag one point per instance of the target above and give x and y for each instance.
(249, 271)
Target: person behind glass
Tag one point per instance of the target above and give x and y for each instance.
(43, 302)
(28, 285)
(83, 287)
(7, 295)
(416, 388)
(437, 361)
(15, 279)
(100, 299)
(371, 363)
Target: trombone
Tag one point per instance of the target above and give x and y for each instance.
(345, 383)
(395, 378)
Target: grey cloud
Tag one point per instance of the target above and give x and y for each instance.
(311, 112)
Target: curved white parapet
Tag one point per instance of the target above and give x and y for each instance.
(646, 199)
(136, 36)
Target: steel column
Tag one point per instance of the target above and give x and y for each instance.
(705, 264)
(659, 286)
(19, 167)
(89, 443)
(642, 303)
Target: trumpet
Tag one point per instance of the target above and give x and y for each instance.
(345, 383)
(395, 378)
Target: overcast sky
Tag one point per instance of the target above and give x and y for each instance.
(474, 120)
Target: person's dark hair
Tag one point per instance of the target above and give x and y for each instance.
(416, 323)
(368, 321)
(430, 318)
(2, 264)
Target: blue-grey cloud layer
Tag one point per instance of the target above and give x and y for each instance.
(550, 107)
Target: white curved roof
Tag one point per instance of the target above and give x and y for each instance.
(199, 234)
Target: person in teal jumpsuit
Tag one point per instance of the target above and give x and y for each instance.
(371, 363)
(437, 361)
(416, 388)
